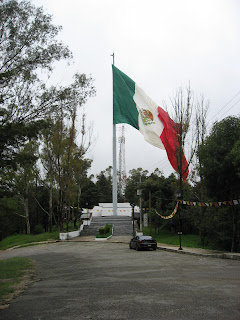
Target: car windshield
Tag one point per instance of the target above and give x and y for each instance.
(145, 238)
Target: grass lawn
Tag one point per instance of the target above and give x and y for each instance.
(26, 239)
(11, 273)
(165, 236)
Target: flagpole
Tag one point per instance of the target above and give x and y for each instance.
(114, 185)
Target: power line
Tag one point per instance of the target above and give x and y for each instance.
(163, 161)
(231, 108)
(225, 107)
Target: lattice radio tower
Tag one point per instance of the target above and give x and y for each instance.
(121, 162)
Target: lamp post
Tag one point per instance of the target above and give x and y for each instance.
(133, 205)
(139, 193)
(179, 196)
(67, 216)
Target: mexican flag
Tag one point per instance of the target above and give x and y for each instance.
(131, 105)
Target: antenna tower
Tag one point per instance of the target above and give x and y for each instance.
(122, 167)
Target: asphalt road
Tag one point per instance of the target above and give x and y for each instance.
(99, 280)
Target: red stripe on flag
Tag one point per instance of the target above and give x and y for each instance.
(170, 142)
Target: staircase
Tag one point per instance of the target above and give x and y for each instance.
(122, 226)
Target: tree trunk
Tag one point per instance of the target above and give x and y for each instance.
(50, 210)
(26, 208)
(78, 197)
(27, 217)
(150, 216)
(28, 224)
(234, 238)
(202, 226)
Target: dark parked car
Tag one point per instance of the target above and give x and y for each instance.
(143, 242)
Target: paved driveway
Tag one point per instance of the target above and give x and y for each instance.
(92, 280)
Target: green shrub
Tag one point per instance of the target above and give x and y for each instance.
(107, 228)
(38, 229)
(101, 230)
(105, 232)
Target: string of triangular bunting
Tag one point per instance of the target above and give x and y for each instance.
(171, 215)
(200, 204)
(210, 204)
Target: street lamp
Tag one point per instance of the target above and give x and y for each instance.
(133, 205)
(139, 193)
(179, 196)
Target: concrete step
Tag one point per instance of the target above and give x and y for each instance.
(122, 225)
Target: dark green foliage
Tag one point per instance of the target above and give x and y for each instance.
(89, 196)
(104, 185)
(10, 223)
(27, 40)
(107, 228)
(13, 136)
(102, 231)
(28, 43)
(235, 152)
(218, 169)
(38, 229)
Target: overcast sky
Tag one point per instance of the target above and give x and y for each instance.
(162, 45)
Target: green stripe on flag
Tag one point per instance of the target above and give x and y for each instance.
(124, 107)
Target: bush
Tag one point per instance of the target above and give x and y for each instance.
(107, 228)
(101, 230)
(38, 229)
(105, 231)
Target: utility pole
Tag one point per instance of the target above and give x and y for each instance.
(114, 187)
(122, 163)
(139, 193)
(133, 205)
(150, 214)
(179, 196)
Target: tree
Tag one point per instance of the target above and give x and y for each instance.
(28, 41)
(104, 185)
(19, 182)
(235, 152)
(81, 178)
(182, 104)
(219, 172)
(218, 169)
(201, 131)
(89, 196)
(134, 181)
(187, 132)
(62, 157)
(27, 44)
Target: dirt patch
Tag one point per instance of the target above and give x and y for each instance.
(23, 283)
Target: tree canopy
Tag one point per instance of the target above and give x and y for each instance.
(32, 114)
(219, 157)
(27, 44)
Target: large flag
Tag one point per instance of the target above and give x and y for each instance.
(131, 105)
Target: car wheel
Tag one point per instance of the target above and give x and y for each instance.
(130, 246)
(154, 248)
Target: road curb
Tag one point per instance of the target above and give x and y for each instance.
(231, 256)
